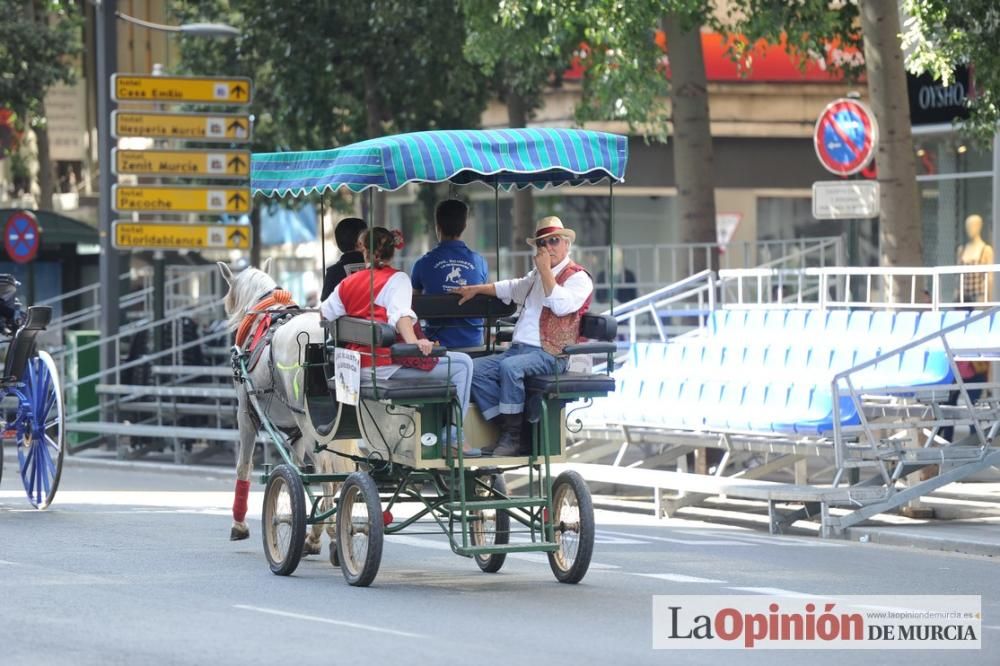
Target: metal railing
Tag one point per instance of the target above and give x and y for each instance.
(693, 296)
(914, 288)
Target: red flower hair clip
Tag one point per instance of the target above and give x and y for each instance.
(397, 239)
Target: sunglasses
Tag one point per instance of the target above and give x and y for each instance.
(550, 241)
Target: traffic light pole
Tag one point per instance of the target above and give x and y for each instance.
(110, 265)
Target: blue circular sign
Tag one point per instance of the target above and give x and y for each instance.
(845, 137)
(22, 237)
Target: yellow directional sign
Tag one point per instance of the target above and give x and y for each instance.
(207, 90)
(200, 126)
(199, 163)
(165, 236)
(161, 199)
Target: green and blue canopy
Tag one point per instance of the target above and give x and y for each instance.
(505, 158)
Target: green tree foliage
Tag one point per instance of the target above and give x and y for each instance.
(816, 30)
(333, 72)
(520, 46)
(39, 40)
(940, 35)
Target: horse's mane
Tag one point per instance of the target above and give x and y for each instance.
(246, 289)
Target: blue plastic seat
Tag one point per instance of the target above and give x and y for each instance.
(795, 322)
(816, 323)
(904, 326)
(858, 325)
(836, 321)
(928, 323)
(922, 367)
(754, 323)
(881, 324)
(774, 320)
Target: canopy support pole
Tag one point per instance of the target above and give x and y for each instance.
(611, 245)
(371, 275)
(322, 236)
(496, 220)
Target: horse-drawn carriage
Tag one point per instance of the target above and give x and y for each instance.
(31, 398)
(394, 448)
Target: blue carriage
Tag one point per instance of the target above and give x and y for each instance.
(32, 417)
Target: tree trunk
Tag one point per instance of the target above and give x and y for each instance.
(900, 229)
(694, 168)
(46, 173)
(374, 115)
(524, 202)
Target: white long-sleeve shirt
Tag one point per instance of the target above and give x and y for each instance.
(529, 292)
(397, 299)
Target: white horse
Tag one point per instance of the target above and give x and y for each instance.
(280, 368)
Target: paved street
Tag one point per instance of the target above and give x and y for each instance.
(136, 568)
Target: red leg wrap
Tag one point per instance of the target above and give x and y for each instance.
(240, 503)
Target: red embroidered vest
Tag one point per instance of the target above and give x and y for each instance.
(357, 296)
(557, 332)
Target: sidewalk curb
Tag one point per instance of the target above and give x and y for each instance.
(884, 536)
(156, 468)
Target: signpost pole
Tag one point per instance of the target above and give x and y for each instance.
(109, 270)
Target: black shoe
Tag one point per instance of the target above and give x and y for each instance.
(509, 443)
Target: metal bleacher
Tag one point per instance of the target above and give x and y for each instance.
(866, 389)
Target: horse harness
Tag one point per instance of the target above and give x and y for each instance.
(259, 324)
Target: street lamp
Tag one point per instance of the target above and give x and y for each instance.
(107, 63)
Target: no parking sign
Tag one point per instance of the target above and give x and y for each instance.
(22, 237)
(845, 137)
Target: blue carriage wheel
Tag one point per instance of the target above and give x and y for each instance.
(39, 430)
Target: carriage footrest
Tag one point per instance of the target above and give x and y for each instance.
(540, 547)
(486, 505)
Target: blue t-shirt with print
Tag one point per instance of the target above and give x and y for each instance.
(451, 264)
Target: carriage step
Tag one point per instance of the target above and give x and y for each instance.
(486, 505)
(540, 547)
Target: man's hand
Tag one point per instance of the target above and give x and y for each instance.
(425, 346)
(543, 262)
(465, 293)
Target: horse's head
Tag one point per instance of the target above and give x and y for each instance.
(245, 289)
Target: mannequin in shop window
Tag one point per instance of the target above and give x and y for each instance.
(976, 287)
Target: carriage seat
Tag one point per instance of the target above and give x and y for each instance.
(364, 332)
(600, 328)
(23, 346)
(401, 390)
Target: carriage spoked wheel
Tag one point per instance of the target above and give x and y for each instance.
(360, 530)
(283, 520)
(41, 438)
(490, 527)
(573, 520)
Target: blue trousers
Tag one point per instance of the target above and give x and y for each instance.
(498, 380)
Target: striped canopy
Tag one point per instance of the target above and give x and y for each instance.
(536, 157)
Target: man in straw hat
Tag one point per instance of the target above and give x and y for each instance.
(553, 297)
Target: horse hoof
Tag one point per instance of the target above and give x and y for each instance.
(334, 558)
(311, 548)
(239, 533)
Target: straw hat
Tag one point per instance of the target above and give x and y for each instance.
(550, 226)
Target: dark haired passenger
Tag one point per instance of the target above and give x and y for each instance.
(348, 237)
(448, 266)
(384, 295)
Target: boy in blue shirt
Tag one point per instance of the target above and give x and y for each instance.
(451, 264)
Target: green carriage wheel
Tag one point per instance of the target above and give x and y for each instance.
(491, 527)
(283, 520)
(573, 519)
(360, 529)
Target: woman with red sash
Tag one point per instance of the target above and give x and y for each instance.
(393, 298)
